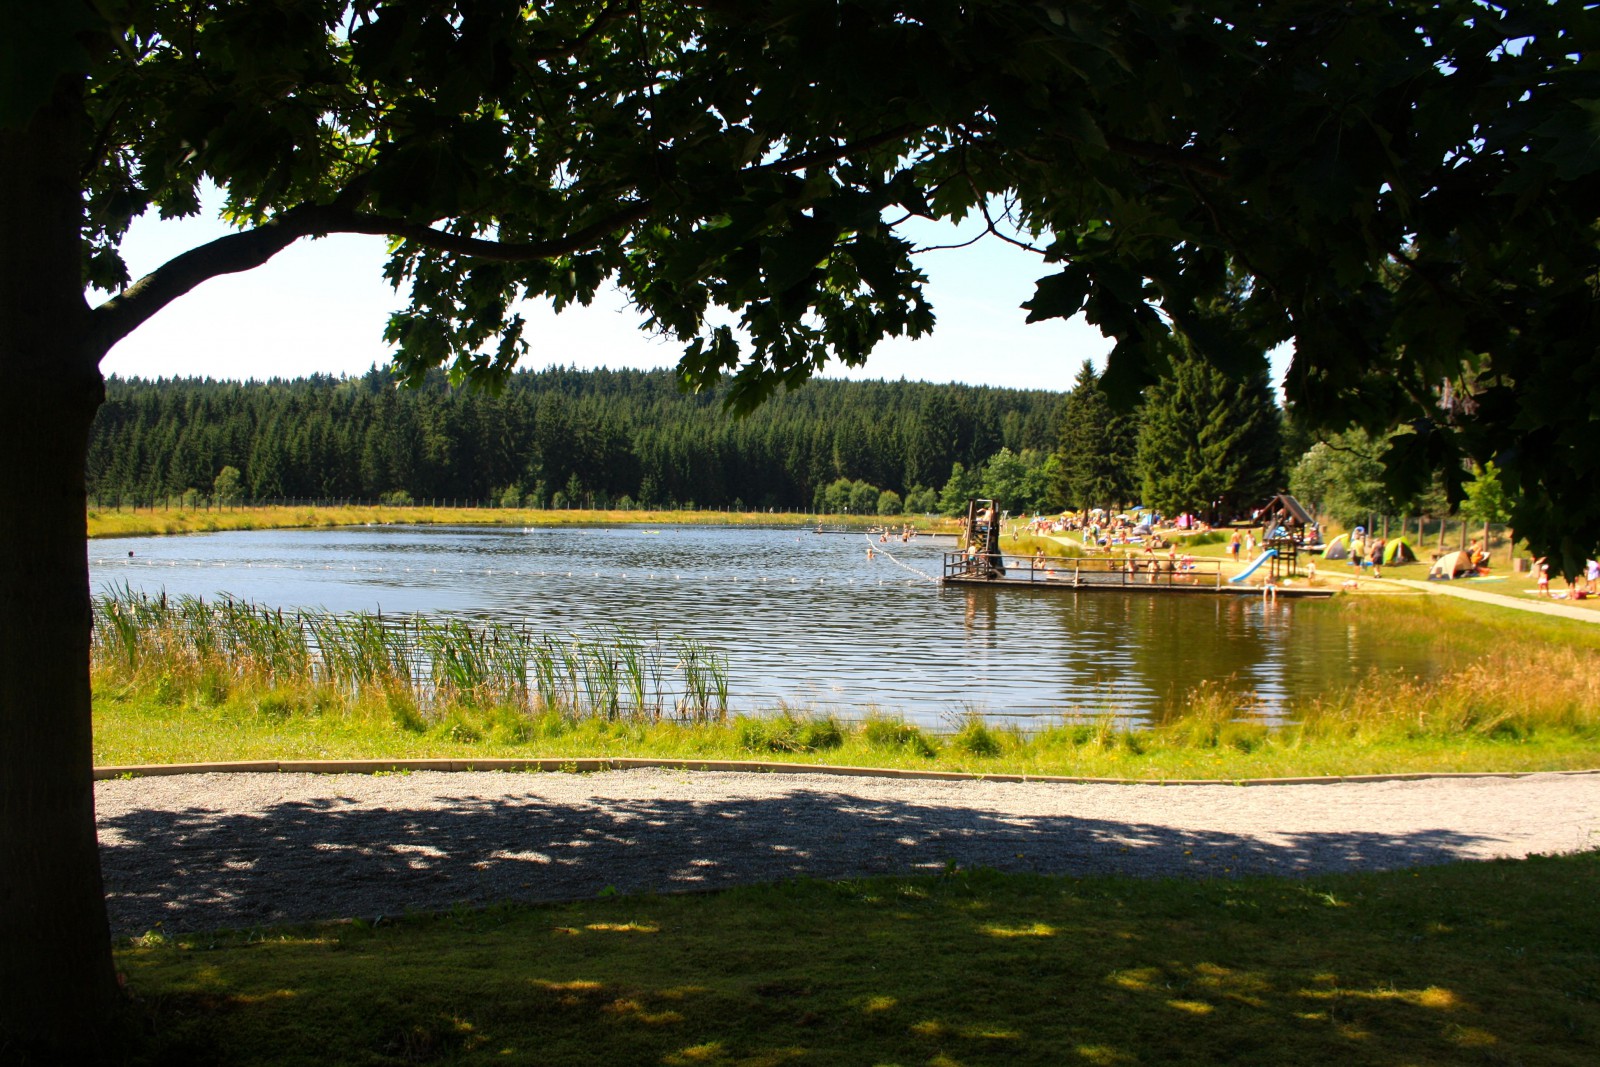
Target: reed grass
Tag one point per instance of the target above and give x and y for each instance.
(189, 645)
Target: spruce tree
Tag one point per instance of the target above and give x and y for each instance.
(1208, 442)
(1096, 446)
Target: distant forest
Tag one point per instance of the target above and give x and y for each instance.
(550, 438)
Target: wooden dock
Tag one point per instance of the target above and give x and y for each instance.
(1147, 574)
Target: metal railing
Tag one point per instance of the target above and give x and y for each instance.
(1142, 571)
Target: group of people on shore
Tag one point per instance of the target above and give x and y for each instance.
(1582, 587)
(1153, 564)
(1367, 551)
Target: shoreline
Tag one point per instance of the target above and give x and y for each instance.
(103, 524)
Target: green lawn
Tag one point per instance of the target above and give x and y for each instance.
(1494, 963)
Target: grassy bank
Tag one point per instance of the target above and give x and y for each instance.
(1523, 696)
(1470, 963)
(109, 523)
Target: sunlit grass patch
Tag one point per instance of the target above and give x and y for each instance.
(1417, 967)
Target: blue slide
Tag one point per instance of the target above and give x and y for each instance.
(1259, 560)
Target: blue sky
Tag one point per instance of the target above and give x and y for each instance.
(320, 307)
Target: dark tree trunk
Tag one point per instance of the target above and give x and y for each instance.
(57, 986)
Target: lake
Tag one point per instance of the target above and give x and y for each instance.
(803, 618)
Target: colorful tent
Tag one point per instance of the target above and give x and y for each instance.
(1451, 565)
(1338, 548)
(1398, 551)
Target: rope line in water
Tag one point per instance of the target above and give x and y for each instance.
(878, 547)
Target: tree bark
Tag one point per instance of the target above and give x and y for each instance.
(57, 984)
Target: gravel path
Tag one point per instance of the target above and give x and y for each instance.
(1504, 600)
(225, 850)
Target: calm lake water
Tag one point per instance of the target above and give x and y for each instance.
(802, 618)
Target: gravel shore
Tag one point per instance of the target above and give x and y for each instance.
(206, 851)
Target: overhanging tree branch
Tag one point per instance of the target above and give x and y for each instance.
(236, 252)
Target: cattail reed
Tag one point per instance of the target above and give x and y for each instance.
(612, 674)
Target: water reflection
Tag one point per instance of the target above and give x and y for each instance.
(803, 618)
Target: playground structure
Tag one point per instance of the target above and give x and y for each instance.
(1265, 557)
(1286, 525)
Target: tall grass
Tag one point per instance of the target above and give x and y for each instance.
(192, 642)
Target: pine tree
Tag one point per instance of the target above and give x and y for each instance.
(1097, 447)
(1208, 442)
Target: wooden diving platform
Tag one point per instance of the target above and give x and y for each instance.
(1146, 574)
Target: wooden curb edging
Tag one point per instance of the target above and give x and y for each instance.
(622, 763)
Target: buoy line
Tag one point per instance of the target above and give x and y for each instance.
(877, 547)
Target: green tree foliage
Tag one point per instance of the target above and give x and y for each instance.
(1208, 443)
(889, 503)
(1021, 482)
(1342, 478)
(1097, 448)
(1486, 497)
(922, 500)
(863, 498)
(622, 433)
(228, 487)
(960, 488)
(1000, 479)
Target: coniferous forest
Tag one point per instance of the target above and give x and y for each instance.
(555, 438)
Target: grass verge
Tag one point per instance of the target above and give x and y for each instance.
(1466, 963)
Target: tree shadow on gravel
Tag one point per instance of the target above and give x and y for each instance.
(303, 860)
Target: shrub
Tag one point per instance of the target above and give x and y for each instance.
(403, 710)
(510, 726)
(276, 707)
(897, 733)
(788, 733)
(1075, 734)
(976, 738)
(455, 727)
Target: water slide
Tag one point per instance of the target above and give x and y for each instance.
(1259, 560)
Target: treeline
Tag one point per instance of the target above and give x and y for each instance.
(551, 438)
